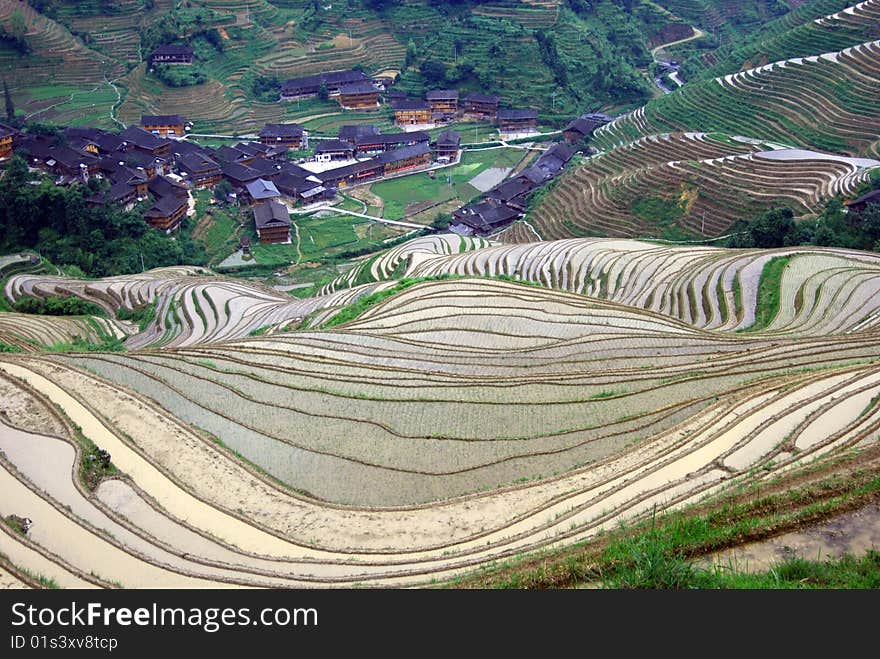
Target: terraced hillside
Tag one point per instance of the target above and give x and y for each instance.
(826, 102)
(186, 308)
(665, 185)
(406, 455)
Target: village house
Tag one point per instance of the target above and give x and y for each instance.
(167, 212)
(410, 111)
(310, 86)
(272, 221)
(145, 163)
(164, 125)
(380, 142)
(447, 145)
(6, 135)
(358, 96)
(293, 136)
(162, 186)
(261, 191)
(583, 126)
(119, 193)
(481, 106)
(330, 150)
(137, 138)
(239, 175)
(483, 217)
(118, 172)
(300, 185)
(517, 120)
(861, 204)
(404, 158)
(348, 175)
(350, 133)
(172, 54)
(444, 104)
(200, 171)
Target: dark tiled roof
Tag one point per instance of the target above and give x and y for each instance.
(265, 167)
(167, 205)
(872, 197)
(172, 49)
(162, 119)
(141, 138)
(442, 95)
(414, 137)
(486, 215)
(477, 97)
(240, 172)
(252, 148)
(273, 214)
(162, 186)
(403, 153)
(582, 126)
(282, 130)
(327, 146)
(194, 164)
(230, 154)
(410, 104)
(330, 78)
(357, 88)
(350, 133)
(517, 113)
(448, 138)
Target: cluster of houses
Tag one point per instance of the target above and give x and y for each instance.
(506, 202)
(146, 162)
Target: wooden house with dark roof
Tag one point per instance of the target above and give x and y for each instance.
(380, 142)
(239, 175)
(164, 125)
(291, 135)
(162, 186)
(172, 54)
(200, 171)
(167, 212)
(447, 145)
(411, 111)
(579, 129)
(358, 96)
(330, 150)
(350, 133)
(517, 120)
(348, 175)
(272, 221)
(483, 217)
(404, 158)
(861, 204)
(6, 135)
(299, 188)
(137, 138)
(310, 86)
(443, 102)
(481, 106)
(119, 193)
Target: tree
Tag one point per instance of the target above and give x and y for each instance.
(433, 72)
(323, 92)
(18, 27)
(10, 108)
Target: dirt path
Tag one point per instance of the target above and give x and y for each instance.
(696, 35)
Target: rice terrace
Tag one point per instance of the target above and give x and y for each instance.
(578, 294)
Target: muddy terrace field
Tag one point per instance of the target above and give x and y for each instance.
(453, 420)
